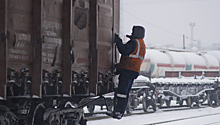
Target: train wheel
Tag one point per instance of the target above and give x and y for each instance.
(204, 98)
(7, 117)
(154, 106)
(216, 99)
(168, 102)
(110, 107)
(144, 103)
(161, 102)
(189, 102)
(181, 102)
(36, 115)
(91, 108)
(128, 108)
(197, 101)
(4, 120)
(209, 99)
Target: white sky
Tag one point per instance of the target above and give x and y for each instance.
(167, 20)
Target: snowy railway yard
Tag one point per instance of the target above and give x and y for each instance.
(175, 115)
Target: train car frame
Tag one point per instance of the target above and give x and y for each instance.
(53, 55)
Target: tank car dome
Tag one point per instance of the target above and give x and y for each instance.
(157, 57)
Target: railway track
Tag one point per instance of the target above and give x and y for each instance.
(174, 120)
(139, 111)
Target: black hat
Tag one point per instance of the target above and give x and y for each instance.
(137, 32)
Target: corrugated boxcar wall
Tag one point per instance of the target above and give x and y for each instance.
(19, 40)
(80, 43)
(93, 27)
(58, 37)
(108, 23)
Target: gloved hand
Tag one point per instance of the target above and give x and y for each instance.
(117, 38)
(129, 36)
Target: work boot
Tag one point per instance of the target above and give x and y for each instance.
(117, 115)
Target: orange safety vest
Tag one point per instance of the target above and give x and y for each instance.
(134, 60)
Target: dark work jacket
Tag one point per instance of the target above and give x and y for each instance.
(126, 49)
(129, 47)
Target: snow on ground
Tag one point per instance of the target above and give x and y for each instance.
(161, 116)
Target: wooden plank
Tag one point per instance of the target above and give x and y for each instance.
(67, 32)
(93, 69)
(37, 56)
(3, 48)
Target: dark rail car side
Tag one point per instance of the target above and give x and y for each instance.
(53, 54)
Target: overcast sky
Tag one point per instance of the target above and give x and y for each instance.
(167, 20)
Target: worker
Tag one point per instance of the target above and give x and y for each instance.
(133, 53)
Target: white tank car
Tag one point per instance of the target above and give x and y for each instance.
(216, 54)
(195, 62)
(158, 62)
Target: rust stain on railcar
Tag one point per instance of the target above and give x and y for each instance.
(105, 26)
(80, 35)
(52, 28)
(19, 29)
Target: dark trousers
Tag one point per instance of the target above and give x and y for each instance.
(125, 83)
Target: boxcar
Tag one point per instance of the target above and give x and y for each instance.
(54, 53)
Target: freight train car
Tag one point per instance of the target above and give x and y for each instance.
(194, 87)
(159, 61)
(55, 53)
(180, 76)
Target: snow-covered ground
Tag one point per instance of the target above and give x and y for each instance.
(201, 116)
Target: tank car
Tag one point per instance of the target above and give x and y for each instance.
(54, 54)
(159, 61)
(200, 62)
(215, 54)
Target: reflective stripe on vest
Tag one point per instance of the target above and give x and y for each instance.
(134, 60)
(121, 95)
(138, 51)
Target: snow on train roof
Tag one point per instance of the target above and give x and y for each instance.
(157, 57)
(177, 57)
(141, 78)
(212, 58)
(188, 80)
(182, 80)
(193, 58)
